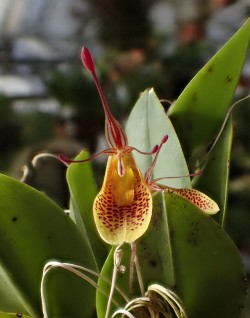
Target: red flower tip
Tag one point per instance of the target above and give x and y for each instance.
(115, 135)
(164, 139)
(87, 60)
(155, 149)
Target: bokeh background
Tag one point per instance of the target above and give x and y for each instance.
(48, 103)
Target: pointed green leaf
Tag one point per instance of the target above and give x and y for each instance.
(83, 190)
(146, 126)
(33, 230)
(199, 111)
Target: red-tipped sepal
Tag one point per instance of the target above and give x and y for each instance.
(115, 134)
(87, 60)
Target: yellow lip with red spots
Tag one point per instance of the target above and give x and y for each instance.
(123, 207)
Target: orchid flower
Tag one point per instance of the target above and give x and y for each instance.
(123, 207)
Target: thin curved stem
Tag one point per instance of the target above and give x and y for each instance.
(229, 112)
(117, 262)
(45, 155)
(75, 269)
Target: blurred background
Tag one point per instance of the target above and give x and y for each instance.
(47, 102)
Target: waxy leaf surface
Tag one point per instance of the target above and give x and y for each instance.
(34, 230)
(199, 111)
(146, 126)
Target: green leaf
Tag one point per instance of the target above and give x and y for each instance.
(83, 190)
(215, 174)
(155, 250)
(199, 111)
(185, 250)
(10, 299)
(33, 230)
(146, 126)
(210, 277)
(9, 315)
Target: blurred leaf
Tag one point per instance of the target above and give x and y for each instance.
(215, 173)
(83, 190)
(199, 111)
(9, 315)
(33, 230)
(146, 126)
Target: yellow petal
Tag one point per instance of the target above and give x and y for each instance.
(123, 207)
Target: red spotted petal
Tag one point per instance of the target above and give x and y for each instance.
(123, 207)
(198, 198)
